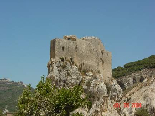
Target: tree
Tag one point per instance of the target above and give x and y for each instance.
(48, 100)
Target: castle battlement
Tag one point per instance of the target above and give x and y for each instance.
(87, 52)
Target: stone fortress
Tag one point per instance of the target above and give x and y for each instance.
(84, 62)
(88, 53)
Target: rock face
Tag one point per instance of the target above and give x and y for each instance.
(130, 80)
(144, 95)
(115, 91)
(88, 53)
(66, 74)
(139, 88)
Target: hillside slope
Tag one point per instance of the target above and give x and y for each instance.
(9, 93)
(141, 92)
(137, 80)
(129, 68)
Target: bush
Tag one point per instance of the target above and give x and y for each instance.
(141, 112)
(77, 114)
(62, 59)
(84, 71)
(47, 100)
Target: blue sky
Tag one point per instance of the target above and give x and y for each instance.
(126, 28)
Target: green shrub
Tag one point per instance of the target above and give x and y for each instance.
(84, 71)
(62, 59)
(141, 112)
(77, 114)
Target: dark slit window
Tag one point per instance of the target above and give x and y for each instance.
(63, 48)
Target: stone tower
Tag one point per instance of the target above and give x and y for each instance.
(88, 53)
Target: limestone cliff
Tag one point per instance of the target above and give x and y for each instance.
(66, 74)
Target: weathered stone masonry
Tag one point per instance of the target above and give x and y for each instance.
(87, 53)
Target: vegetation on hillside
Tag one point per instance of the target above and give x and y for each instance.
(9, 93)
(134, 66)
(48, 100)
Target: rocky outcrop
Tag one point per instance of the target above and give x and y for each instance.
(143, 93)
(115, 91)
(131, 80)
(66, 74)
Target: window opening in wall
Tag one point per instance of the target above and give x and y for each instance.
(102, 61)
(76, 48)
(102, 52)
(63, 48)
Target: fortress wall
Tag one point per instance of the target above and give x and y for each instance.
(80, 51)
(107, 67)
(96, 42)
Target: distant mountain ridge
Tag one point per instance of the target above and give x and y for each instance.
(9, 93)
